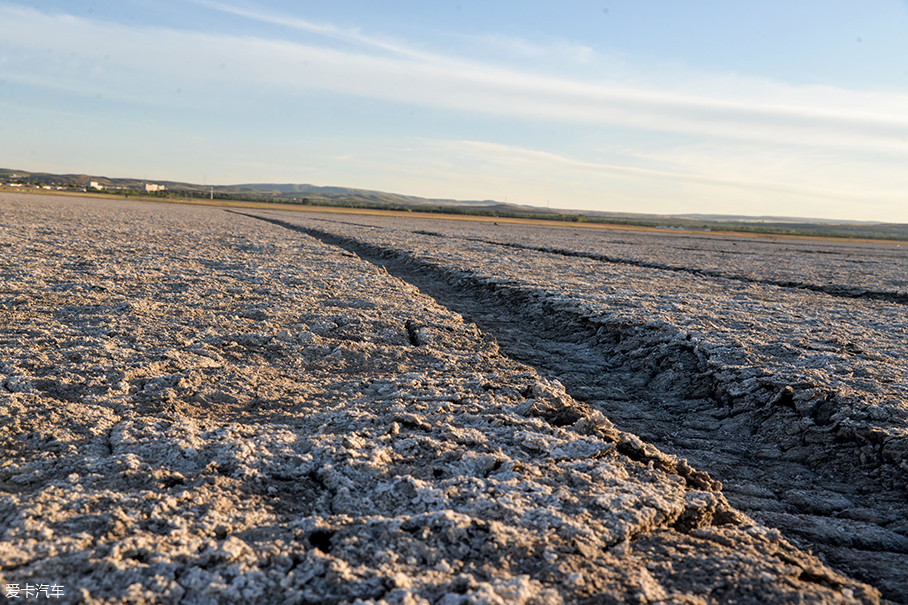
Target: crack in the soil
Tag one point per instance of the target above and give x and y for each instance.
(831, 290)
(839, 291)
(552, 340)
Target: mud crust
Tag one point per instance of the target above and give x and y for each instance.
(201, 408)
(834, 490)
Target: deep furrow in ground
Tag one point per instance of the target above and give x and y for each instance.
(842, 515)
(832, 290)
(840, 291)
(244, 413)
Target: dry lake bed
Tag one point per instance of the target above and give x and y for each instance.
(209, 405)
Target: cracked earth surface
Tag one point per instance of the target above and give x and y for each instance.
(793, 395)
(202, 406)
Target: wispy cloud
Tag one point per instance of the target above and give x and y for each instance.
(715, 106)
(731, 108)
(687, 141)
(354, 35)
(703, 169)
(520, 48)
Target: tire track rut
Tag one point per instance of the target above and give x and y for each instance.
(842, 514)
(840, 291)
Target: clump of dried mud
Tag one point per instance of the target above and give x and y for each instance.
(202, 407)
(777, 365)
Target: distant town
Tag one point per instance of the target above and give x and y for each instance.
(344, 197)
(15, 180)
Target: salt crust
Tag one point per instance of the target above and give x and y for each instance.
(203, 408)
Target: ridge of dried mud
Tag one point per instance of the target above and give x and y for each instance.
(794, 397)
(202, 407)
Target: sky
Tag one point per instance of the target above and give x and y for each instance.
(772, 108)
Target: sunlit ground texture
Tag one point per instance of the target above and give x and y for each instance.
(201, 406)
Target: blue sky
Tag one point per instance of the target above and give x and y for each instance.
(771, 108)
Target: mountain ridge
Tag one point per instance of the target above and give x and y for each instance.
(351, 197)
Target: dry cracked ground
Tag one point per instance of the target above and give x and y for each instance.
(249, 406)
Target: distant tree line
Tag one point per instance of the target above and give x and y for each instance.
(897, 232)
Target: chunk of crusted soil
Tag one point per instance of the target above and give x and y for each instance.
(202, 407)
(777, 365)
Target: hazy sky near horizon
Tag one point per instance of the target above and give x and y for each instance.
(776, 108)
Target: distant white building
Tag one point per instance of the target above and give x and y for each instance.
(150, 187)
(94, 185)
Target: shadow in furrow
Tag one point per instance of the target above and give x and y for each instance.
(653, 382)
(840, 291)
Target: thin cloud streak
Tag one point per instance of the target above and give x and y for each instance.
(802, 116)
(351, 35)
(508, 154)
(529, 176)
(825, 105)
(650, 140)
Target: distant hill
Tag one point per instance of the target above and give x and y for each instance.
(310, 191)
(365, 198)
